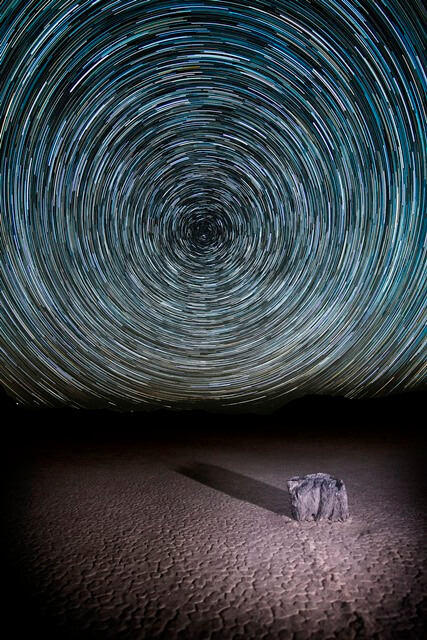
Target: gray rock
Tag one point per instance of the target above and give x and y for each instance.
(318, 496)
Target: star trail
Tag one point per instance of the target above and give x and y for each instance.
(211, 202)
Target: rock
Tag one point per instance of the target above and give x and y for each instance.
(318, 496)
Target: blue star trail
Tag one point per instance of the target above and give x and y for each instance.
(211, 202)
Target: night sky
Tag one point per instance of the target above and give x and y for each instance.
(211, 203)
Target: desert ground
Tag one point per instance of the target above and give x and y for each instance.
(192, 538)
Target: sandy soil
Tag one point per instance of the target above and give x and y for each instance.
(195, 540)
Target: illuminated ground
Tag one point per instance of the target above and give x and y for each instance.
(193, 539)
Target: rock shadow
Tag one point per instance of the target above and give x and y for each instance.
(240, 487)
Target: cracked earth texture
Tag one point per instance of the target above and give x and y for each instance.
(194, 540)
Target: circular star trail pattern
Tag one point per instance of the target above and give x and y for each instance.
(211, 202)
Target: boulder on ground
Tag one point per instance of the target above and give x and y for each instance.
(318, 496)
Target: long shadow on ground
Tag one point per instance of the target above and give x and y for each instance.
(239, 486)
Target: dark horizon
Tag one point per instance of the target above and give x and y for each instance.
(395, 415)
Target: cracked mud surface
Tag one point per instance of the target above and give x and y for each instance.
(195, 540)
